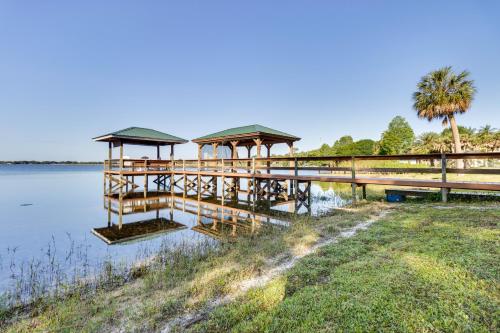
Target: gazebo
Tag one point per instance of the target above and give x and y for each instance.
(246, 136)
(140, 136)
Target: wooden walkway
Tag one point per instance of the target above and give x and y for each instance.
(291, 177)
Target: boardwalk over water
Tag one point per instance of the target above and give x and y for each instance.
(286, 178)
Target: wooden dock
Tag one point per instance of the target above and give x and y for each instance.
(284, 178)
(272, 178)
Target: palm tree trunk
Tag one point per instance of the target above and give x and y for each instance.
(456, 139)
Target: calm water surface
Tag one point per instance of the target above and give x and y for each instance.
(56, 207)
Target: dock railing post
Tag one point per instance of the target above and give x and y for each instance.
(198, 184)
(444, 190)
(353, 176)
(223, 183)
(145, 178)
(184, 178)
(254, 193)
(295, 173)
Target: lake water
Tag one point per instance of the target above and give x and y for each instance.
(49, 212)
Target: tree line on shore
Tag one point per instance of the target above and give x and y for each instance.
(399, 138)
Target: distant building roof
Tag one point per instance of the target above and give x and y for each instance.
(247, 132)
(141, 136)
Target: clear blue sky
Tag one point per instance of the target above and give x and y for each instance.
(318, 69)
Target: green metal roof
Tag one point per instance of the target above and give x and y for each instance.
(140, 134)
(245, 130)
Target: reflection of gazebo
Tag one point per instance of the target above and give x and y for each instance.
(142, 137)
(246, 136)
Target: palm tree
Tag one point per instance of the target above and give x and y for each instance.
(440, 95)
(488, 138)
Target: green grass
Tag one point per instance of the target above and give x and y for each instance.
(420, 269)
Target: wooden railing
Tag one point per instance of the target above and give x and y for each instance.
(320, 164)
(313, 169)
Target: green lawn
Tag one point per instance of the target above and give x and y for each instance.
(419, 269)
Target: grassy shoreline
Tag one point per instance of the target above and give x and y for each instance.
(391, 253)
(422, 268)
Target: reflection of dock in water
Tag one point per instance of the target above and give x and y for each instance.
(136, 230)
(226, 222)
(135, 204)
(222, 222)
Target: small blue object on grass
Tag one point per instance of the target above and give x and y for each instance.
(392, 197)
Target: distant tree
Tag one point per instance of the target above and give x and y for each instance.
(488, 138)
(398, 138)
(468, 138)
(462, 130)
(325, 150)
(363, 147)
(426, 143)
(440, 95)
(342, 145)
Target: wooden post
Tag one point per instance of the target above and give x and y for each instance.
(268, 163)
(295, 173)
(108, 167)
(223, 186)
(249, 155)
(109, 211)
(120, 211)
(184, 180)
(234, 144)
(234, 165)
(444, 190)
(214, 150)
(145, 178)
(291, 164)
(121, 157)
(198, 178)
(353, 176)
(172, 152)
(200, 147)
(110, 155)
(158, 157)
(254, 192)
(214, 153)
(258, 142)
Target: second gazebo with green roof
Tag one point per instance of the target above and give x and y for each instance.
(246, 136)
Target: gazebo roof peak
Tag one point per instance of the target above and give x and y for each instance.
(140, 136)
(247, 132)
